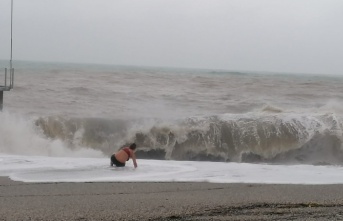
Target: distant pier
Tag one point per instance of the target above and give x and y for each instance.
(6, 85)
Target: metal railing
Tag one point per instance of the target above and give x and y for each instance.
(9, 75)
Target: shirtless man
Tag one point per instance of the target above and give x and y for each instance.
(118, 159)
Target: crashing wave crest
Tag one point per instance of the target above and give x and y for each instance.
(278, 138)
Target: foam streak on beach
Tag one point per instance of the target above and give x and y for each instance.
(69, 169)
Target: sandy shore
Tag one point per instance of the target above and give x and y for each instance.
(168, 201)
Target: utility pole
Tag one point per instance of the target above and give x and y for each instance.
(5, 86)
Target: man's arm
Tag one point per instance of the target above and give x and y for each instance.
(134, 159)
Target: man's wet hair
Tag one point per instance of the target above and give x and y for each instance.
(133, 146)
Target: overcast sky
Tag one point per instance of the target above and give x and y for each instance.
(303, 36)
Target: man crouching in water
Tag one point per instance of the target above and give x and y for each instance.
(124, 155)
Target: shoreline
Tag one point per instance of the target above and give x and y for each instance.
(168, 201)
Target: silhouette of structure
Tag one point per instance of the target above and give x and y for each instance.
(8, 81)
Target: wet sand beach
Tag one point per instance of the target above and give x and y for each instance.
(168, 201)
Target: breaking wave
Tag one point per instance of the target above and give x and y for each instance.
(20, 136)
(260, 137)
(256, 138)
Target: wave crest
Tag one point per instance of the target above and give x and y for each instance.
(278, 138)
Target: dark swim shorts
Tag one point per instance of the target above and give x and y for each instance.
(116, 162)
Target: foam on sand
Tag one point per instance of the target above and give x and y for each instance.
(66, 169)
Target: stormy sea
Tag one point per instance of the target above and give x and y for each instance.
(61, 122)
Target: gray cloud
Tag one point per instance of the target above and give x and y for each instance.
(263, 35)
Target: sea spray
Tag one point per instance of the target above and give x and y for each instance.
(20, 135)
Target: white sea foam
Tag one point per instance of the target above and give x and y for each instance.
(66, 169)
